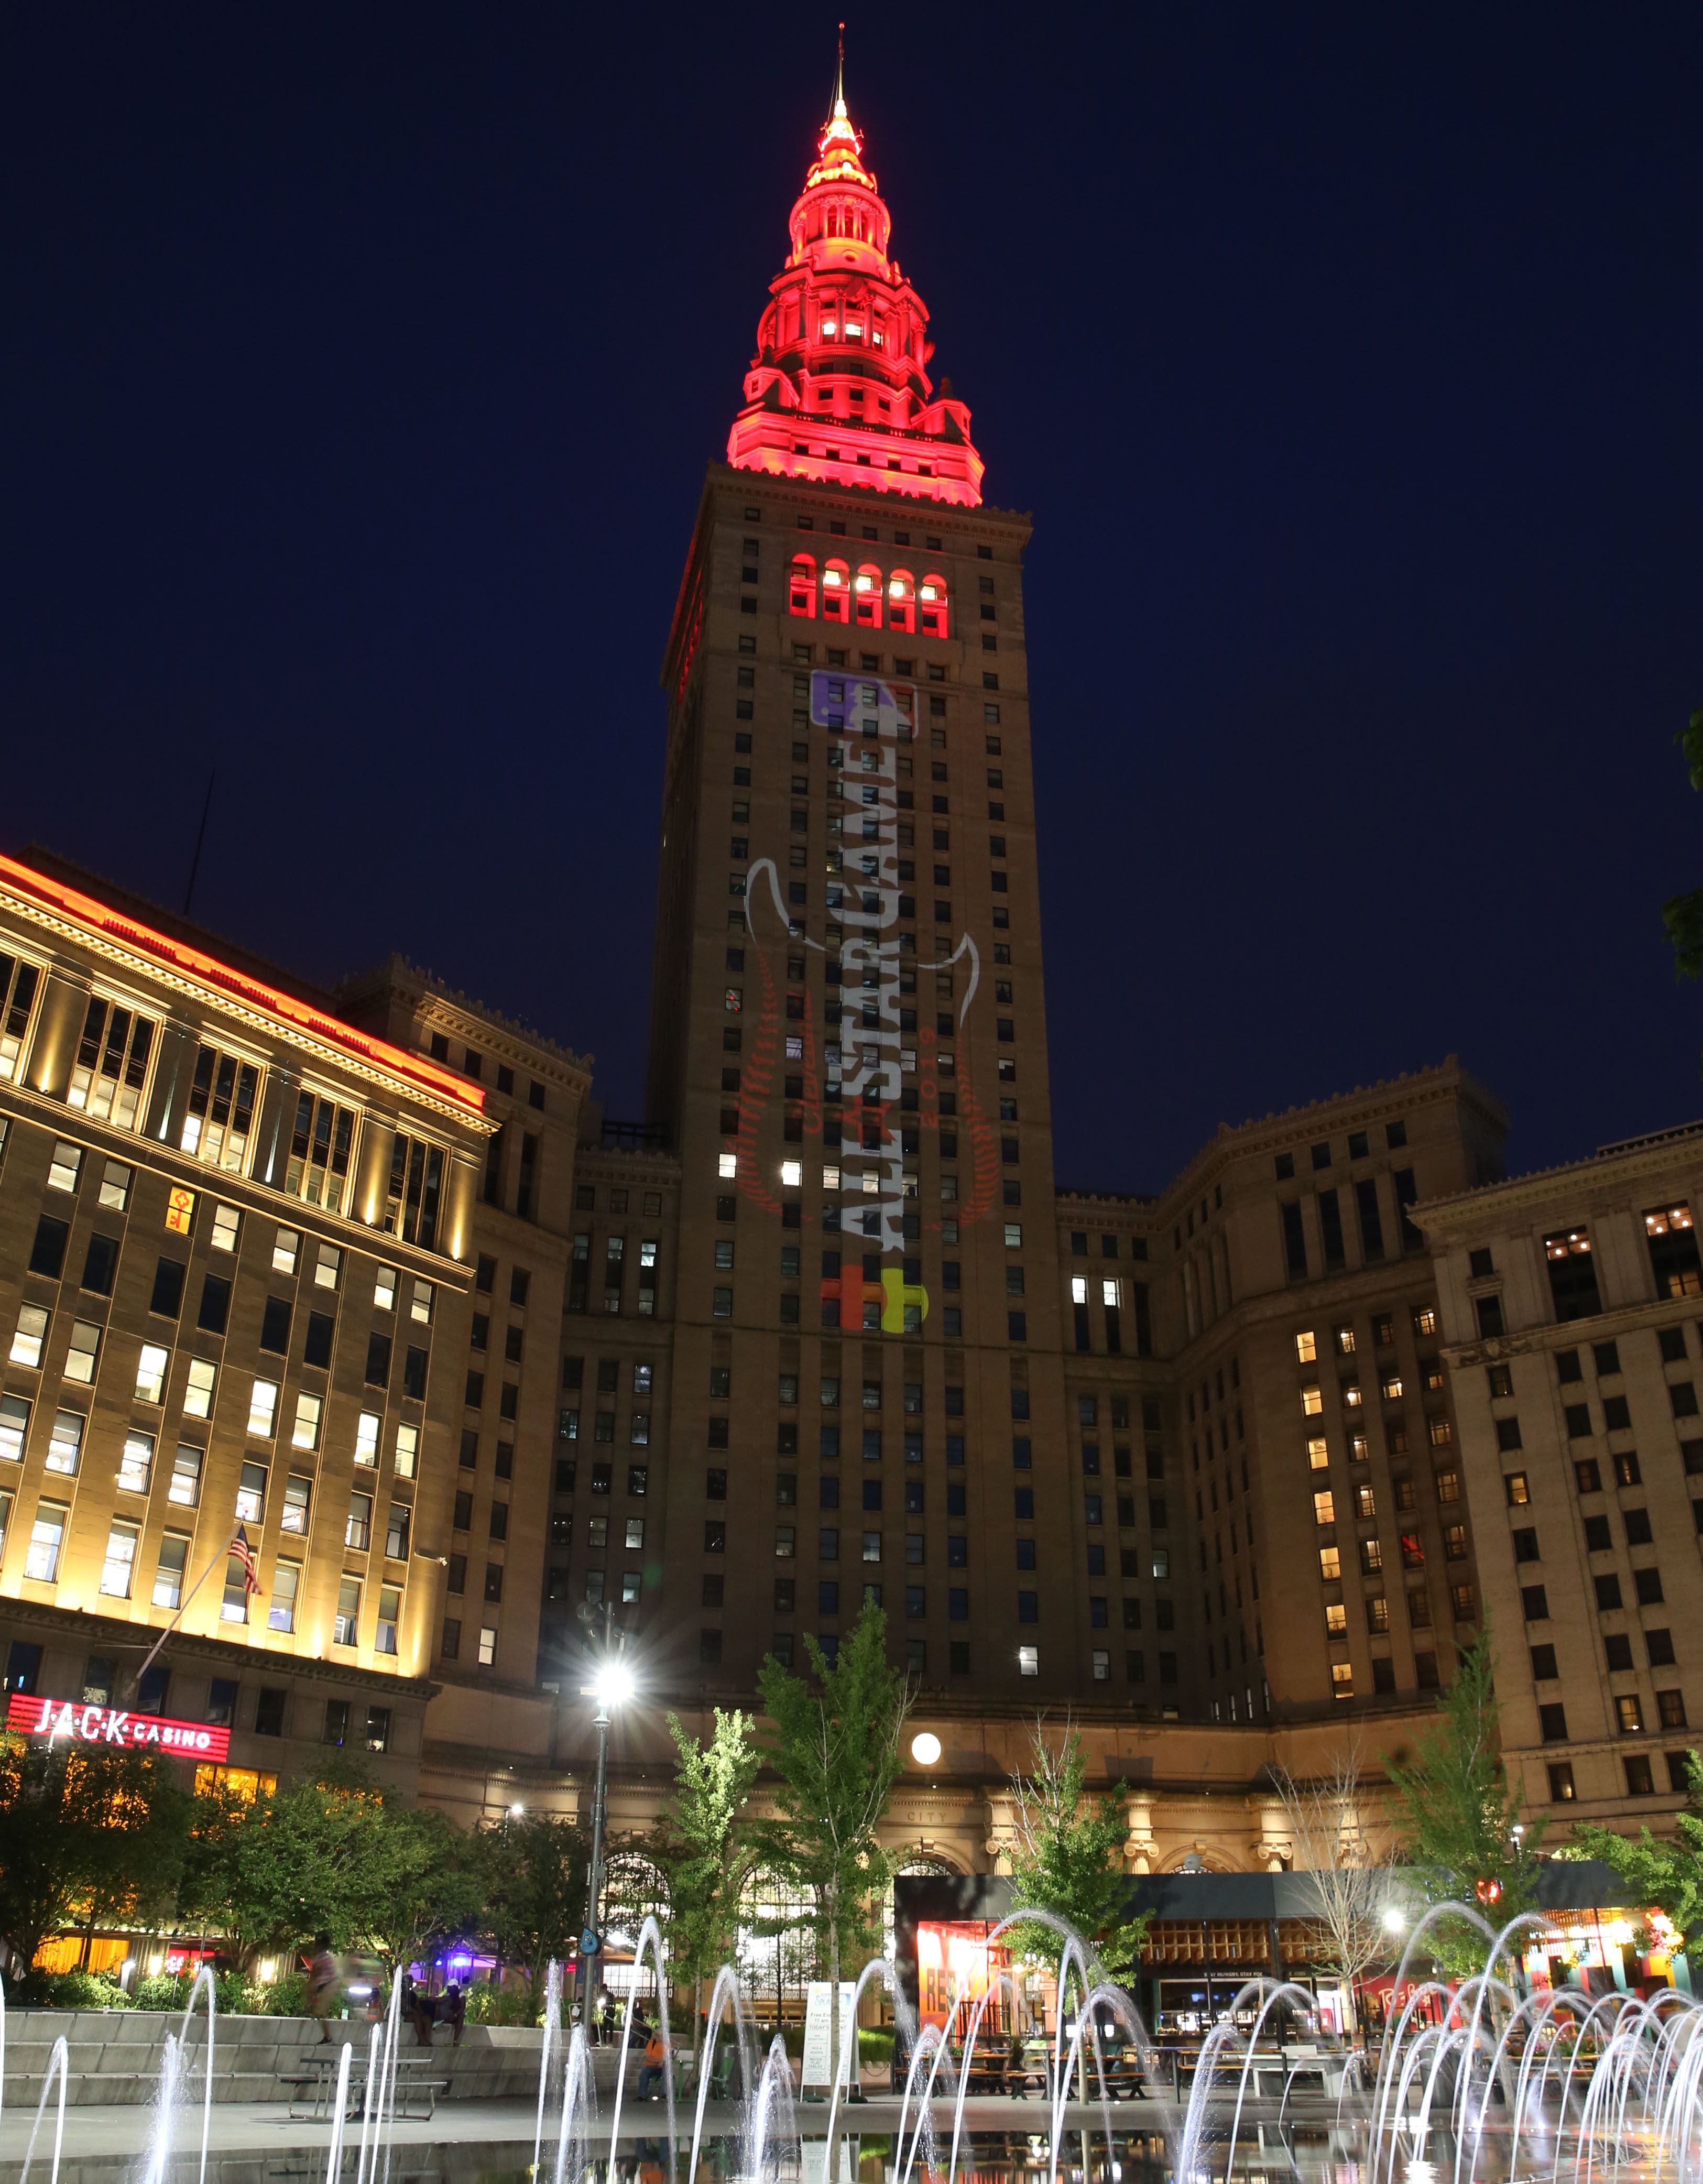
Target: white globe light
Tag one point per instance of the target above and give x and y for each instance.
(1394, 1918)
(924, 1747)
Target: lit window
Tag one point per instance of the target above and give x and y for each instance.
(65, 1166)
(1306, 1349)
(1107, 1292)
(1392, 1387)
(1330, 1564)
(1013, 1235)
(792, 1174)
(286, 1246)
(733, 1000)
(168, 1577)
(1336, 1620)
(14, 1423)
(635, 1532)
(180, 1210)
(384, 1289)
(389, 1619)
(298, 1492)
(115, 1182)
(286, 1581)
(1161, 1561)
(346, 1626)
(424, 1297)
(406, 1450)
(1312, 1402)
(1079, 1289)
(867, 592)
(263, 1409)
(46, 1537)
(112, 1064)
(1324, 1508)
(366, 1437)
(197, 1390)
(1028, 1660)
(220, 1115)
(1342, 1678)
(727, 1166)
(121, 1562)
(488, 1635)
(18, 985)
(184, 1489)
(932, 594)
(150, 1374)
(1344, 1342)
(85, 1350)
(1318, 1454)
(251, 1493)
(31, 1334)
(135, 1463)
(901, 602)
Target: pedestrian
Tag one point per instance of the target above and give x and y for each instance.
(651, 2069)
(322, 1983)
(452, 2010)
(606, 2018)
(424, 2013)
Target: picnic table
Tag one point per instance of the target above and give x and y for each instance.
(314, 2087)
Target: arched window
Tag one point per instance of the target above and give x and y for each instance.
(801, 588)
(901, 602)
(931, 598)
(866, 593)
(836, 592)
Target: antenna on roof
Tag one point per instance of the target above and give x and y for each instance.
(200, 837)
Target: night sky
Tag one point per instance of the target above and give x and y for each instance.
(358, 367)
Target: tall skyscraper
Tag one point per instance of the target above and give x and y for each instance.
(849, 1041)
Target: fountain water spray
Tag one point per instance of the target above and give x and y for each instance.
(58, 2069)
(203, 1978)
(551, 2047)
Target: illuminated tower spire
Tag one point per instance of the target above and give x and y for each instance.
(839, 389)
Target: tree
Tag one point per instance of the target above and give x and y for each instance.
(85, 1834)
(707, 1863)
(1350, 1887)
(1458, 1815)
(1068, 1859)
(837, 1747)
(1668, 1875)
(535, 1868)
(335, 1854)
(435, 1887)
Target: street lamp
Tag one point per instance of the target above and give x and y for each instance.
(611, 1685)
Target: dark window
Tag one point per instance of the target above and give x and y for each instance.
(1295, 1240)
(1572, 1274)
(100, 1264)
(1370, 1222)
(1330, 1227)
(1544, 1669)
(413, 1375)
(215, 1304)
(168, 1291)
(1647, 1582)
(317, 1349)
(274, 1323)
(1534, 1603)
(1607, 1592)
(268, 1712)
(1552, 1719)
(1488, 1309)
(47, 1252)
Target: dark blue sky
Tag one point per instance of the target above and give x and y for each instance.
(358, 366)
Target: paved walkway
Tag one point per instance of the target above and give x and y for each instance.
(267, 2125)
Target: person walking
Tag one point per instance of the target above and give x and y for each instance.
(322, 1983)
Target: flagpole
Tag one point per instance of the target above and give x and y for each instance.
(178, 1617)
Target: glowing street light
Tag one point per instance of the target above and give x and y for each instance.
(612, 1684)
(1394, 1918)
(924, 1747)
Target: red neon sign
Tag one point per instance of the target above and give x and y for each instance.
(54, 1718)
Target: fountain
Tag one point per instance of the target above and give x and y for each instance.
(552, 2043)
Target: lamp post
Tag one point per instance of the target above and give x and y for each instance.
(611, 1686)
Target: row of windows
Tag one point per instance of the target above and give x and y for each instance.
(1570, 1263)
(220, 1710)
(473, 1063)
(1359, 1148)
(1331, 1236)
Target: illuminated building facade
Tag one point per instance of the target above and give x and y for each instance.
(235, 1270)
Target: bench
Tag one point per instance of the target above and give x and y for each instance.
(314, 2088)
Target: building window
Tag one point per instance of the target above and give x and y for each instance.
(111, 1067)
(287, 1583)
(346, 1626)
(220, 1113)
(1572, 1274)
(317, 1167)
(414, 1191)
(47, 1538)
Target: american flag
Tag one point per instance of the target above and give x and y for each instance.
(245, 1555)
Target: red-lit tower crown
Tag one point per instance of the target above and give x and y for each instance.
(839, 389)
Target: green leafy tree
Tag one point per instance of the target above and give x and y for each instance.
(836, 1742)
(1068, 1858)
(86, 1835)
(1683, 914)
(535, 1868)
(707, 1861)
(1668, 1875)
(337, 1853)
(1457, 1815)
(435, 1886)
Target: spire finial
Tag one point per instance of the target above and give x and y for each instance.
(840, 78)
